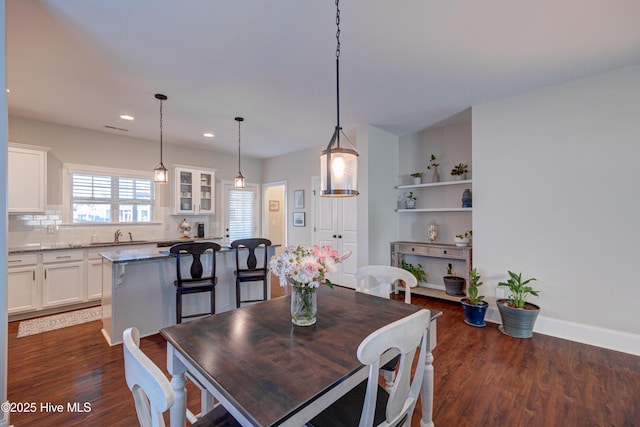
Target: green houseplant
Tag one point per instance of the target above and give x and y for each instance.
(416, 270)
(518, 316)
(463, 239)
(417, 177)
(460, 171)
(410, 201)
(453, 285)
(475, 308)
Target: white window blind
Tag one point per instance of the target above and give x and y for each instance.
(111, 198)
(241, 214)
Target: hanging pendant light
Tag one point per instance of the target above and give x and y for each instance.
(239, 180)
(160, 174)
(338, 165)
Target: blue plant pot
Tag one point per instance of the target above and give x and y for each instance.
(474, 314)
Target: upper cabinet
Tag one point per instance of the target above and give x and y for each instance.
(27, 178)
(194, 191)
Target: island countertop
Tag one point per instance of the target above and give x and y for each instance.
(39, 247)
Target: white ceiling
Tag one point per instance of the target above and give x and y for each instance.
(405, 64)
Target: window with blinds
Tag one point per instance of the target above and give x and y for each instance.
(109, 198)
(241, 204)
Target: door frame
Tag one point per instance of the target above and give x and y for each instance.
(284, 207)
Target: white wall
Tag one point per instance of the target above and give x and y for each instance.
(451, 144)
(82, 146)
(556, 185)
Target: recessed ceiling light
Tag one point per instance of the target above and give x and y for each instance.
(126, 117)
(8, 90)
(208, 135)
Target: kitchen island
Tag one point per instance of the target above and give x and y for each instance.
(138, 289)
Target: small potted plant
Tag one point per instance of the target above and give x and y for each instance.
(416, 270)
(474, 307)
(453, 284)
(463, 239)
(410, 201)
(417, 177)
(518, 316)
(460, 171)
(434, 166)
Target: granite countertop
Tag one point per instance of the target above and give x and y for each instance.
(39, 247)
(143, 254)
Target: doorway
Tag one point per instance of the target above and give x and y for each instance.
(274, 213)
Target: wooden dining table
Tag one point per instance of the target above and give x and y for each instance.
(266, 371)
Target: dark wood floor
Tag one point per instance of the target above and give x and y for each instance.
(482, 378)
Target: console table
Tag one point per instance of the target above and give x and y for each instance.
(433, 250)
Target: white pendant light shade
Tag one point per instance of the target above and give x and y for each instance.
(160, 173)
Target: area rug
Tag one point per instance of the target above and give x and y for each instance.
(58, 321)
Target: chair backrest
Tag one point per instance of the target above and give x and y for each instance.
(251, 245)
(403, 335)
(195, 249)
(151, 389)
(385, 276)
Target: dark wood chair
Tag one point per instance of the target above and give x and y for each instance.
(253, 272)
(196, 282)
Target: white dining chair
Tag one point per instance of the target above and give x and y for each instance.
(381, 408)
(152, 392)
(385, 277)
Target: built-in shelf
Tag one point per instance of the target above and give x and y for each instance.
(433, 184)
(436, 210)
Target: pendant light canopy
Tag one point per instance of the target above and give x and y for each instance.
(160, 173)
(239, 180)
(338, 165)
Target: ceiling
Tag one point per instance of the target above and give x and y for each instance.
(405, 65)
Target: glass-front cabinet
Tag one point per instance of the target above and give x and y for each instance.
(194, 191)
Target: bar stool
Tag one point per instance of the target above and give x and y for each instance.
(253, 272)
(196, 283)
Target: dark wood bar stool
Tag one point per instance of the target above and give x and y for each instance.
(196, 283)
(253, 272)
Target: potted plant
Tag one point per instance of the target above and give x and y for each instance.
(416, 270)
(474, 307)
(417, 177)
(453, 285)
(460, 171)
(463, 239)
(518, 316)
(410, 201)
(433, 165)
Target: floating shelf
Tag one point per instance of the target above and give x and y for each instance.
(436, 210)
(433, 184)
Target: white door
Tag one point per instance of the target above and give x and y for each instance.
(240, 212)
(335, 224)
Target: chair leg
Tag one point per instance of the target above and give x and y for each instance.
(264, 288)
(213, 301)
(178, 307)
(389, 378)
(237, 293)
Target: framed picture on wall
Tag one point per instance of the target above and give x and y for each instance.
(298, 199)
(298, 219)
(274, 205)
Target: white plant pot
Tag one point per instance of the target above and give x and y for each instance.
(461, 241)
(417, 180)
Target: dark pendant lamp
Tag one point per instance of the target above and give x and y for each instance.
(239, 180)
(160, 174)
(338, 165)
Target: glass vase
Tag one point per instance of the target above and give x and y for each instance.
(304, 305)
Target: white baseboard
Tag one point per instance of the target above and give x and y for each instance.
(578, 332)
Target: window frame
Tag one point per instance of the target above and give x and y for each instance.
(257, 215)
(72, 168)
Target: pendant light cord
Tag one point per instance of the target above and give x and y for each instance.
(239, 121)
(161, 131)
(338, 71)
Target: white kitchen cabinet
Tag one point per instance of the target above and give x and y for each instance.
(27, 178)
(94, 275)
(194, 191)
(23, 279)
(63, 278)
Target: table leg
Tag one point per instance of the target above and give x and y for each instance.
(427, 381)
(178, 412)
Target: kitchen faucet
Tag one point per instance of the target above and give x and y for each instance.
(130, 237)
(117, 236)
